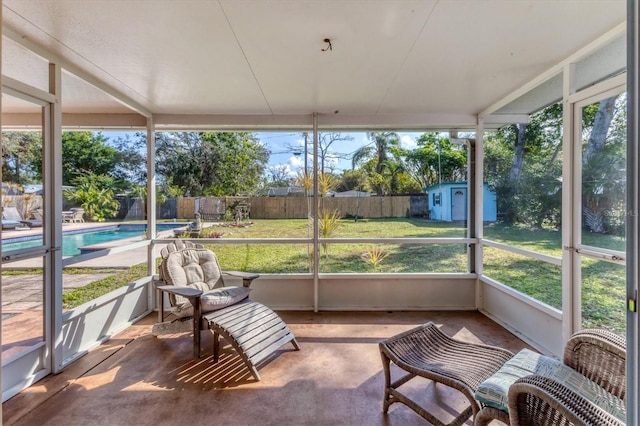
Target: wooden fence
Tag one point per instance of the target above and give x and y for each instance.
(293, 207)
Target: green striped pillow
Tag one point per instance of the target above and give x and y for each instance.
(493, 391)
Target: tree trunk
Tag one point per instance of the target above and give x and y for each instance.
(518, 158)
(601, 124)
(592, 210)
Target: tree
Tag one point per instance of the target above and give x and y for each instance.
(86, 153)
(213, 163)
(373, 156)
(20, 153)
(130, 160)
(91, 153)
(325, 154)
(279, 175)
(603, 165)
(325, 141)
(522, 165)
(352, 180)
(436, 160)
(380, 148)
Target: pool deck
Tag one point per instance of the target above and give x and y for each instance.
(117, 260)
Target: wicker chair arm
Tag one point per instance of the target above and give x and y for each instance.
(488, 414)
(540, 400)
(247, 277)
(599, 355)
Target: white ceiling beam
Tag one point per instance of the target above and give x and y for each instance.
(603, 40)
(443, 122)
(15, 87)
(104, 121)
(75, 70)
(78, 121)
(333, 121)
(506, 119)
(231, 122)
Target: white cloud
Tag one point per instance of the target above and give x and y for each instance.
(296, 161)
(408, 142)
(282, 169)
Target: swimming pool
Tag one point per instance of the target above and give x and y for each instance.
(73, 241)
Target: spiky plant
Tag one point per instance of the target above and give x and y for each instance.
(328, 222)
(374, 256)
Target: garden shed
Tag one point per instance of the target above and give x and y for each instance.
(448, 202)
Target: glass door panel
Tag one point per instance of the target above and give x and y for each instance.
(603, 295)
(604, 130)
(23, 248)
(22, 306)
(601, 246)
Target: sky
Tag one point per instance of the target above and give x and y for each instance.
(339, 157)
(285, 145)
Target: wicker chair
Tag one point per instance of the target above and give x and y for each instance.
(598, 355)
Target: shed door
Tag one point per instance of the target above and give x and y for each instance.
(459, 204)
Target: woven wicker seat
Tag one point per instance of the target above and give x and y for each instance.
(427, 352)
(599, 355)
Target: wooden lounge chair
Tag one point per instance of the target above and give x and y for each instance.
(200, 300)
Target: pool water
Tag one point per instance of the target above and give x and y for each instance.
(73, 241)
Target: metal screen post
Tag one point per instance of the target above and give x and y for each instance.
(633, 206)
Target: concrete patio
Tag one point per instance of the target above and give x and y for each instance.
(335, 379)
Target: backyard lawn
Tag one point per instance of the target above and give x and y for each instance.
(603, 292)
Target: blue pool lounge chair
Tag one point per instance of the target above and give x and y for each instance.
(10, 224)
(12, 214)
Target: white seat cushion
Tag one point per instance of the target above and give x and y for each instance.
(215, 299)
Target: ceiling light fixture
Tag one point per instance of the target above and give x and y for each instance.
(329, 46)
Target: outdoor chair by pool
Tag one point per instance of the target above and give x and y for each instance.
(12, 214)
(200, 300)
(78, 215)
(10, 224)
(73, 215)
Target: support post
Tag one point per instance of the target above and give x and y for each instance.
(316, 229)
(633, 207)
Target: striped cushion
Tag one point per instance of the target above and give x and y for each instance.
(493, 391)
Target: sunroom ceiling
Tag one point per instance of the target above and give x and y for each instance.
(409, 63)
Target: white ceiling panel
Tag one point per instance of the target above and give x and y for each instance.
(411, 58)
(370, 41)
(474, 53)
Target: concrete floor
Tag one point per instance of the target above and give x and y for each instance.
(335, 379)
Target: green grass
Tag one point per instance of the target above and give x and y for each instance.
(102, 286)
(603, 291)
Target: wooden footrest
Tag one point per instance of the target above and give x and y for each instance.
(254, 330)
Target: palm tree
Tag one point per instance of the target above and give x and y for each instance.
(380, 150)
(393, 170)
